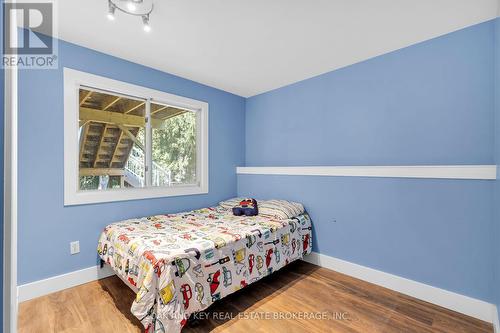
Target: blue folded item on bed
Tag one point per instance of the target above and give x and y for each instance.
(247, 207)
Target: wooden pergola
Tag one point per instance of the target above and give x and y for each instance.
(109, 127)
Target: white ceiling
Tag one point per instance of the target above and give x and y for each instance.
(252, 46)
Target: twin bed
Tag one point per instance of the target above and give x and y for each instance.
(179, 264)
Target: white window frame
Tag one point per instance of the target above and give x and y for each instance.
(73, 80)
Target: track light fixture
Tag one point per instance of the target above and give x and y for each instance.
(140, 8)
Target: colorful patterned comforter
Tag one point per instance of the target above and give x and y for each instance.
(182, 263)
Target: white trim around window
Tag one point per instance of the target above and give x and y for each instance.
(73, 80)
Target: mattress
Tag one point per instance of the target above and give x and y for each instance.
(181, 263)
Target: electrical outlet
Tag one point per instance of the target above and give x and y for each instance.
(74, 247)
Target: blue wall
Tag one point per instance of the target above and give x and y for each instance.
(46, 227)
(496, 233)
(431, 231)
(431, 103)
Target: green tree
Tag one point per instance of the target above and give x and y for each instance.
(174, 147)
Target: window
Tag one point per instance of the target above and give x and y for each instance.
(173, 145)
(125, 142)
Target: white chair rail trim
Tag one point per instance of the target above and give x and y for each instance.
(477, 172)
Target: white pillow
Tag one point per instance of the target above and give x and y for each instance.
(280, 209)
(230, 203)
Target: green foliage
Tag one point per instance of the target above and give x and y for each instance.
(89, 182)
(174, 147)
(92, 182)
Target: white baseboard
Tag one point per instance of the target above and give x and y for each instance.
(496, 323)
(56, 283)
(453, 301)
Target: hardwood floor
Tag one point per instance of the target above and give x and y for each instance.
(311, 299)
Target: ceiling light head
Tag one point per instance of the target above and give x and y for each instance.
(145, 22)
(111, 11)
(131, 6)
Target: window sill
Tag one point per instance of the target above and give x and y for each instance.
(93, 197)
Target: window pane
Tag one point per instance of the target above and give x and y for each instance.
(173, 146)
(112, 141)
